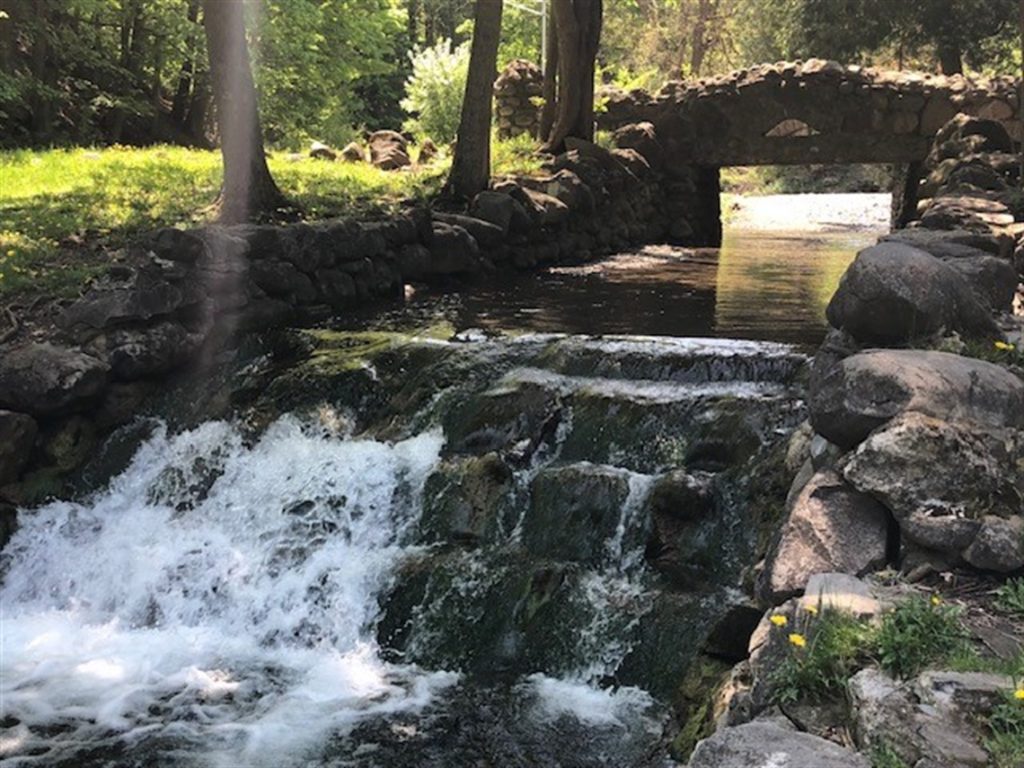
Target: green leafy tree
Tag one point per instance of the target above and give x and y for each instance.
(434, 91)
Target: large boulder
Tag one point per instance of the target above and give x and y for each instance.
(992, 279)
(685, 532)
(17, 438)
(42, 379)
(865, 390)
(893, 293)
(389, 150)
(945, 242)
(926, 729)
(953, 488)
(831, 528)
(134, 353)
(576, 512)
(772, 743)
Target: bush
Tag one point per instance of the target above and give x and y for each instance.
(1006, 725)
(434, 91)
(826, 651)
(1010, 597)
(918, 633)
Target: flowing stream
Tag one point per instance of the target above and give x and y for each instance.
(500, 546)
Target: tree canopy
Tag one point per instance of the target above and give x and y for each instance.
(136, 71)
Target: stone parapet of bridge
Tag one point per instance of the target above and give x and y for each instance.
(813, 112)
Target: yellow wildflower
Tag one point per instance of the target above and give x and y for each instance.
(811, 609)
(1019, 694)
(936, 600)
(1004, 347)
(779, 620)
(798, 640)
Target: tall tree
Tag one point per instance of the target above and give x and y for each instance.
(249, 191)
(471, 166)
(578, 34)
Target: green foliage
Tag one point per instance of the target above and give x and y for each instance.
(1010, 597)
(884, 756)
(435, 89)
(318, 64)
(918, 633)
(1006, 726)
(837, 646)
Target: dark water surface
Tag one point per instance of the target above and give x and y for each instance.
(780, 262)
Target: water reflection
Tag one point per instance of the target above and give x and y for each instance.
(771, 280)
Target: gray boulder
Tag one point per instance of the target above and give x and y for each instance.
(953, 488)
(831, 528)
(946, 242)
(992, 279)
(496, 208)
(134, 353)
(17, 438)
(893, 293)
(921, 732)
(766, 743)
(864, 391)
(453, 251)
(41, 379)
(144, 296)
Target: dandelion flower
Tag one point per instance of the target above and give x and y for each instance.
(936, 600)
(1019, 694)
(779, 620)
(811, 609)
(1004, 347)
(798, 640)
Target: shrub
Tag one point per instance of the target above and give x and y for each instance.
(825, 652)
(434, 91)
(917, 633)
(1010, 597)
(1006, 725)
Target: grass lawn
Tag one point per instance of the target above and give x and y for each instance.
(61, 211)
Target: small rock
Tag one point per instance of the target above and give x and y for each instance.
(765, 744)
(320, 151)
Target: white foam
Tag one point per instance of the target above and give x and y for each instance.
(609, 707)
(217, 594)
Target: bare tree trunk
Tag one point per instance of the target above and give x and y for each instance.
(249, 190)
(699, 44)
(179, 107)
(950, 59)
(413, 22)
(578, 29)
(550, 88)
(471, 166)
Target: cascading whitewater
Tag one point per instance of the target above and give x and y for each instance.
(299, 599)
(217, 594)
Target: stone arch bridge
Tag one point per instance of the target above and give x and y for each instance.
(802, 113)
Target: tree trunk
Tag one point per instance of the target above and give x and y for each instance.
(699, 43)
(248, 191)
(1020, 101)
(413, 22)
(40, 102)
(179, 107)
(471, 166)
(578, 29)
(950, 59)
(550, 91)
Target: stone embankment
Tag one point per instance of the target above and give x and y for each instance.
(912, 463)
(198, 290)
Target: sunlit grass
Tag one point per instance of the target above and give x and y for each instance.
(63, 211)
